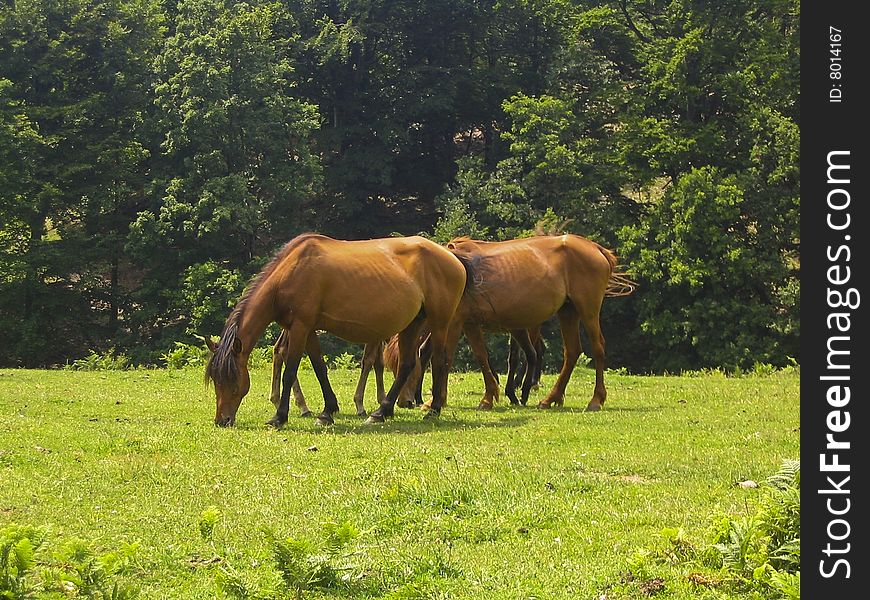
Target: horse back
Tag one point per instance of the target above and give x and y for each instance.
(381, 281)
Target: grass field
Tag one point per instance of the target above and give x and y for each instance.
(512, 503)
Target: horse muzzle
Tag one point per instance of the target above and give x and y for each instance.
(225, 421)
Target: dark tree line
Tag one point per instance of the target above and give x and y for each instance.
(154, 153)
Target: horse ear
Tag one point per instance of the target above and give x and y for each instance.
(237, 346)
(211, 345)
(451, 246)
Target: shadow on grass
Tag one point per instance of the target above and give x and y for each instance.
(409, 423)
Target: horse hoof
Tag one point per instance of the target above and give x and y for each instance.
(543, 405)
(593, 407)
(325, 420)
(374, 420)
(307, 413)
(484, 406)
(431, 414)
(276, 423)
(362, 413)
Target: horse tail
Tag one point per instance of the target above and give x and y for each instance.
(472, 275)
(391, 354)
(221, 368)
(618, 284)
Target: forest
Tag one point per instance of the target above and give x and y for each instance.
(154, 154)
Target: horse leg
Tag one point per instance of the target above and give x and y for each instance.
(538, 341)
(293, 347)
(596, 345)
(513, 371)
(414, 387)
(368, 362)
(407, 359)
(522, 338)
(569, 322)
(330, 402)
(440, 370)
(379, 371)
(474, 335)
(299, 399)
(278, 358)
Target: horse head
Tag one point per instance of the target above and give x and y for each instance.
(227, 368)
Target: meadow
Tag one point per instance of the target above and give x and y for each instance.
(511, 503)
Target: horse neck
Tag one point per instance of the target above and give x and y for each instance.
(259, 312)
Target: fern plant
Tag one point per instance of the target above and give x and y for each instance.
(93, 575)
(18, 546)
(305, 564)
(762, 551)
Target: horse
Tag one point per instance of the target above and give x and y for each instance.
(520, 283)
(372, 359)
(362, 291)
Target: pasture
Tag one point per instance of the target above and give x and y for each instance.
(511, 503)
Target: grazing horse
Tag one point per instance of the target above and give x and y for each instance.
(362, 291)
(372, 359)
(520, 283)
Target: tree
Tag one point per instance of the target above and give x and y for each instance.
(236, 167)
(77, 91)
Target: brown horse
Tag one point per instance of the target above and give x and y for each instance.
(372, 359)
(520, 283)
(362, 291)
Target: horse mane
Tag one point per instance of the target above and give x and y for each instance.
(221, 368)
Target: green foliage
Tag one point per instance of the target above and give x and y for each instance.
(707, 301)
(18, 547)
(755, 555)
(761, 552)
(185, 355)
(75, 569)
(207, 522)
(345, 361)
(154, 155)
(95, 576)
(304, 564)
(108, 361)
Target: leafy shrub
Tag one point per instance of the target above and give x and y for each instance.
(185, 355)
(304, 565)
(345, 361)
(755, 555)
(92, 575)
(27, 570)
(110, 361)
(761, 552)
(18, 546)
(207, 521)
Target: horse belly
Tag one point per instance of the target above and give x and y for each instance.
(367, 319)
(521, 305)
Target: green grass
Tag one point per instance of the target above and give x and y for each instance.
(512, 503)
